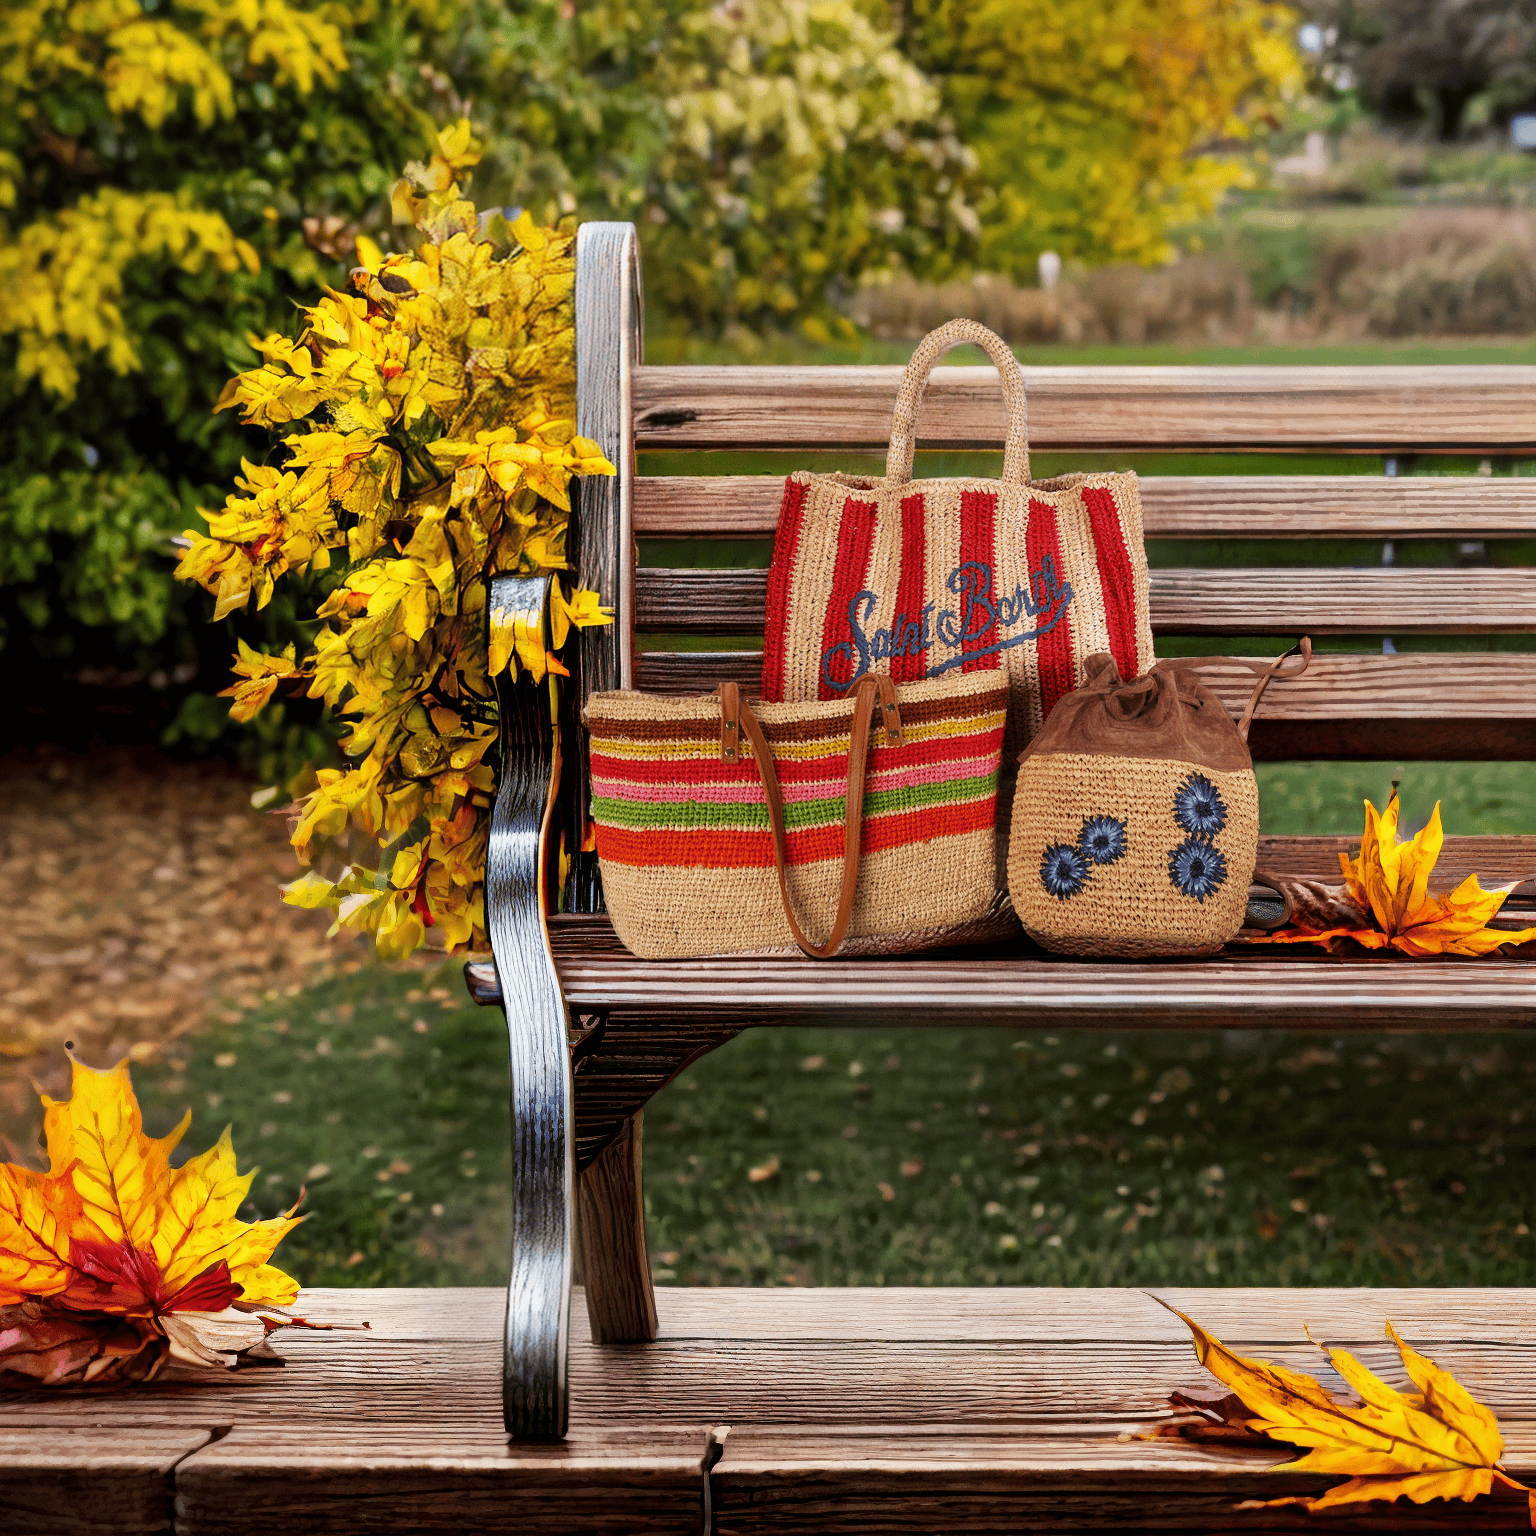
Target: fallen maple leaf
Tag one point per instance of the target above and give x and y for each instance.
(1390, 880)
(113, 1261)
(1437, 1443)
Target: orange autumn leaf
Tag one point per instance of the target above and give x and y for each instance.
(112, 1227)
(1390, 879)
(1436, 1443)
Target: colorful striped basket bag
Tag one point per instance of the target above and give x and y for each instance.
(869, 820)
(930, 578)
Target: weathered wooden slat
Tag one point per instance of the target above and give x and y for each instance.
(1411, 708)
(856, 1410)
(1472, 686)
(1444, 409)
(793, 1479)
(1268, 988)
(358, 1480)
(1172, 506)
(83, 1479)
(1185, 601)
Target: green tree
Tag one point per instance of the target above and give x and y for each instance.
(772, 151)
(178, 174)
(1093, 119)
(172, 177)
(1408, 54)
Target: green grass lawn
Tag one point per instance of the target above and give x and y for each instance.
(955, 1156)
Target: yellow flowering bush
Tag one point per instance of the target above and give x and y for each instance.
(63, 276)
(426, 419)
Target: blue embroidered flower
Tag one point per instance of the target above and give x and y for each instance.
(1198, 806)
(1102, 839)
(1063, 871)
(1197, 867)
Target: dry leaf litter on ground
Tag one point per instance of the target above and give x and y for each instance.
(144, 905)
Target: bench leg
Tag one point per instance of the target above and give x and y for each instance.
(610, 1215)
(517, 888)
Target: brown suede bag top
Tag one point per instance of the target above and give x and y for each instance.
(1168, 713)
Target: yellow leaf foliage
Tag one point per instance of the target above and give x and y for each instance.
(1391, 880)
(63, 273)
(1436, 1443)
(112, 1227)
(1092, 119)
(426, 419)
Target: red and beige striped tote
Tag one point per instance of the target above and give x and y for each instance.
(928, 577)
(723, 826)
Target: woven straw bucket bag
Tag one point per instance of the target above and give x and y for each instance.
(927, 578)
(724, 827)
(1136, 820)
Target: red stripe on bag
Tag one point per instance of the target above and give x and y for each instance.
(1054, 648)
(786, 546)
(1116, 580)
(910, 663)
(743, 848)
(855, 542)
(978, 545)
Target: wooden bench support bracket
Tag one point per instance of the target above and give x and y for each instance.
(616, 1267)
(517, 882)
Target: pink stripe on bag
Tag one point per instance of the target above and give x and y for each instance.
(786, 545)
(910, 664)
(855, 540)
(1116, 581)
(808, 789)
(978, 547)
(1054, 648)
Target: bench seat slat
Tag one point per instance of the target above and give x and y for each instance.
(1392, 409)
(1184, 601)
(1173, 506)
(1323, 994)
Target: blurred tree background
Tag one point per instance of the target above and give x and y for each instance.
(176, 174)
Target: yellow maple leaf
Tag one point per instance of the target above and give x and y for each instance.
(261, 675)
(1437, 1443)
(113, 1227)
(1390, 879)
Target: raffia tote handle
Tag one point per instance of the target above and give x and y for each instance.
(737, 718)
(914, 385)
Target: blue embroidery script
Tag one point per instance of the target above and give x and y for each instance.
(977, 625)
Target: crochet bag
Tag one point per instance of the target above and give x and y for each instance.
(929, 578)
(709, 843)
(1136, 820)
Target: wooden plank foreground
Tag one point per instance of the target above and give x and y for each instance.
(850, 1410)
(1432, 409)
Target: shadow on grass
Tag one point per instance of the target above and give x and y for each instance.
(963, 1156)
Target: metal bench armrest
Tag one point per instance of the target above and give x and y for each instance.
(518, 886)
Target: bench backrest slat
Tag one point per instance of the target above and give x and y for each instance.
(1441, 409)
(1173, 506)
(1197, 601)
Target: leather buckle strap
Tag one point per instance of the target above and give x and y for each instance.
(874, 689)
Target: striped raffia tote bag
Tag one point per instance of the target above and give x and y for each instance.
(928, 577)
(724, 827)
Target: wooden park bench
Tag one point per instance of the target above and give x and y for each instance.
(873, 1410)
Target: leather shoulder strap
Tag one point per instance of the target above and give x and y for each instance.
(874, 689)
